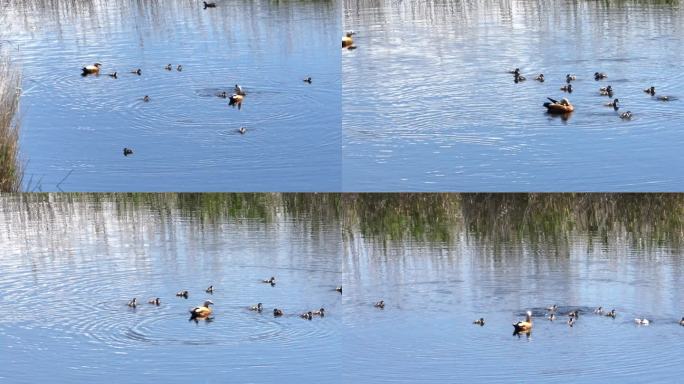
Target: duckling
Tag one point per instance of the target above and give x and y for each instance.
(137, 72)
(320, 312)
(271, 281)
(113, 75)
(239, 91)
(209, 5)
(127, 151)
(519, 78)
(339, 289)
(567, 88)
(168, 67)
(611, 314)
(202, 311)
(571, 321)
(569, 78)
(277, 312)
(606, 91)
(600, 76)
(643, 321)
(650, 91)
(307, 80)
(664, 98)
(598, 311)
(242, 130)
(146, 99)
(183, 293)
(515, 71)
(179, 68)
(210, 289)
(257, 307)
(306, 315)
(133, 303)
(235, 99)
(613, 104)
(222, 95)
(156, 301)
(574, 313)
(91, 69)
(681, 322)
(540, 78)
(347, 40)
(552, 308)
(479, 322)
(524, 326)
(552, 317)
(626, 115)
(380, 304)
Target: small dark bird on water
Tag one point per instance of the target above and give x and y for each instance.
(168, 67)
(183, 293)
(380, 304)
(277, 312)
(479, 322)
(137, 72)
(339, 289)
(209, 5)
(306, 315)
(146, 99)
(127, 151)
(210, 289)
(113, 75)
(179, 68)
(242, 130)
(156, 301)
(307, 80)
(133, 303)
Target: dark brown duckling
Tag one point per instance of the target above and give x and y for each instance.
(277, 312)
(133, 303)
(380, 304)
(209, 5)
(156, 301)
(210, 289)
(306, 315)
(183, 294)
(127, 151)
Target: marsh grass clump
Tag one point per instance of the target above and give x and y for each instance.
(10, 168)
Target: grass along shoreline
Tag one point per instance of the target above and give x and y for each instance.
(11, 173)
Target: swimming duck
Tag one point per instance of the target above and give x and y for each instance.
(202, 311)
(146, 99)
(574, 313)
(242, 130)
(235, 99)
(552, 317)
(479, 322)
(642, 321)
(222, 95)
(239, 91)
(598, 311)
(183, 293)
(379, 304)
(307, 80)
(681, 322)
(552, 308)
(524, 326)
(133, 303)
(566, 88)
(210, 289)
(156, 301)
(339, 289)
(611, 314)
(127, 151)
(664, 98)
(209, 5)
(540, 78)
(626, 115)
(515, 71)
(613, 104)
(179, 68)
(306, 315)
(650, 91)
(606, 91)
(556, 106)
(91, 69)
(518, 78)
(113, 75)
(347, 40)
(600, 76)
(277, 312)
(569, 78)
(320, 312)
(271, 281)
(137, 72)
(257, 307)
(168, 67)
(571, 321)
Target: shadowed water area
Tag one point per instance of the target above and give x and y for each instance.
(70, 263)
(429, 104)
(185, 138)
(440, 262)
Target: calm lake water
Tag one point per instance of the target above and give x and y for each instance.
(70, 263)
(429, 105)
(442, 263)
(185, 138)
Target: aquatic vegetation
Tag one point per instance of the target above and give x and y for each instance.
(11, 174)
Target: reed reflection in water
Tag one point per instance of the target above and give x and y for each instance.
(71, 263)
